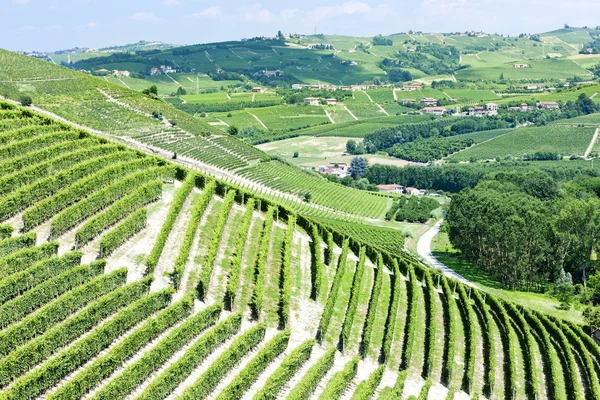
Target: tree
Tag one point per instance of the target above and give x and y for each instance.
(592, 317)
(358, 167)
(232, 130)
(398, 75)
(181, 91)
(296, 154)
(152, 90)
(350, 146)
(26, 101)
(307, 197)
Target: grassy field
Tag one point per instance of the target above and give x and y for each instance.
(559, 139)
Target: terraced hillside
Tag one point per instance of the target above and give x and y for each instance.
(124, 275)
(153, 126)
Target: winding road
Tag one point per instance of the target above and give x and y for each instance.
(424, 250)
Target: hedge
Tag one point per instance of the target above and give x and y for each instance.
(38, 322)
(236, 257)
(25, 357)
(256, 303)
(15, 309)
(317, 269)
(389, 393)
(449, 305)
(425, 390)
(307, 385)
(210, 378)
(357, 281)
(74, 204)
(285, 277)
(199, 205)
(288, 368)
(247, 376)
(329, 250)
(508, 344)
(340, 381)
(23, 259)
(366, 389)
(468, 319)
(12, 244)
(333, 294)
(6, 231)
(390, 321)
(29, 195)
(123, 232)
(78, 354)
(16, 284)
(372, 309)
(122, 385)
(213, 246)
(103, 366)
(430, 310)
(119, 210)
(174, 210)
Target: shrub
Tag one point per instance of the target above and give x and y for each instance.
(316, 264)
(307, 385)
(390, 322)
(413, 301)
(366, 389)
(340, 381)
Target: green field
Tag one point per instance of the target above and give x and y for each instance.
(559, 139)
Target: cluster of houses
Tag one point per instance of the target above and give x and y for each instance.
(488, 109)
(300, 86)
(270, 73)
(163, 69)
(548, 105)
(339, 170)
(315, 101)
(115, 72)
(399, 189)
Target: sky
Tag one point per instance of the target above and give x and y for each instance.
(47, 25)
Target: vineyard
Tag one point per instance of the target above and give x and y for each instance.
(123, 275)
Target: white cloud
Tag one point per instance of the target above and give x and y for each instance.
(91, 25)
(210, 12)
(143, 16)
(349, 8)
(255, 13)
(290, 13)
(170, 3)
(22, 2)
(26, 28)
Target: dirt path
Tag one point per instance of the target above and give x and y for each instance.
(394, 94)
(259, 121)
(367, 94)
(350, 112)
(382, 109)
(594, 95)
(124, 84)
(173, 79)
(592, 143)
(329, 116)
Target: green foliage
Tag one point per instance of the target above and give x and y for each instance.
(25, 357)
(429, 149)
(413, 303)
(22, 259)
(13, 244)
(340, 381)
(180, 196)
(198, 207)
(307, 385)
(507, 338)
(6, 231)
(372, 309)
(430, 338)
(469, 320)
(16, 284)
(152, 360)
(357, 281)
(414, 208)
(246, 377)
(289, 366)
(53, 312)
(125, 230)
(170, 378)
(213, 246)
(236, 262)
(211, 377)
(358, 167)
(119, 210)
(91, 194)
(366, 389)
(390, 322)
(14, 310)
(51, 372)
(333, 294)
(103, 366)
(449, 306)
(425, 390)
(285, 277)
(256, 304)
(26, 101)
(487, 337)
(317, 268)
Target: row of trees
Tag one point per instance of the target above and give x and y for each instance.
(527, 230)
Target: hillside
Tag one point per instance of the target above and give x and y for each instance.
(128, 275)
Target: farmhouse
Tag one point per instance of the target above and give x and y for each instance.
(155, 71)
(391, 188)
(476, 110)
(414, 191)
(258, 90)
(429, 101)
(434, 110)
(298, 86)
(121, 73)
(167, 69)
(331, 101)
(412, 87)
(340, 170)
(316, 87)
(491, 107)
(311, 101)
(551, 105)
(520, 65)
(533, 86)
(345, 87)
(270, 74)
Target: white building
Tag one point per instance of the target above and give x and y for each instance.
(311, 101)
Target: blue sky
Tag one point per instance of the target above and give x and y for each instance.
(59, 24)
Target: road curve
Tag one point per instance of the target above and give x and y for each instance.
(424, 250)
